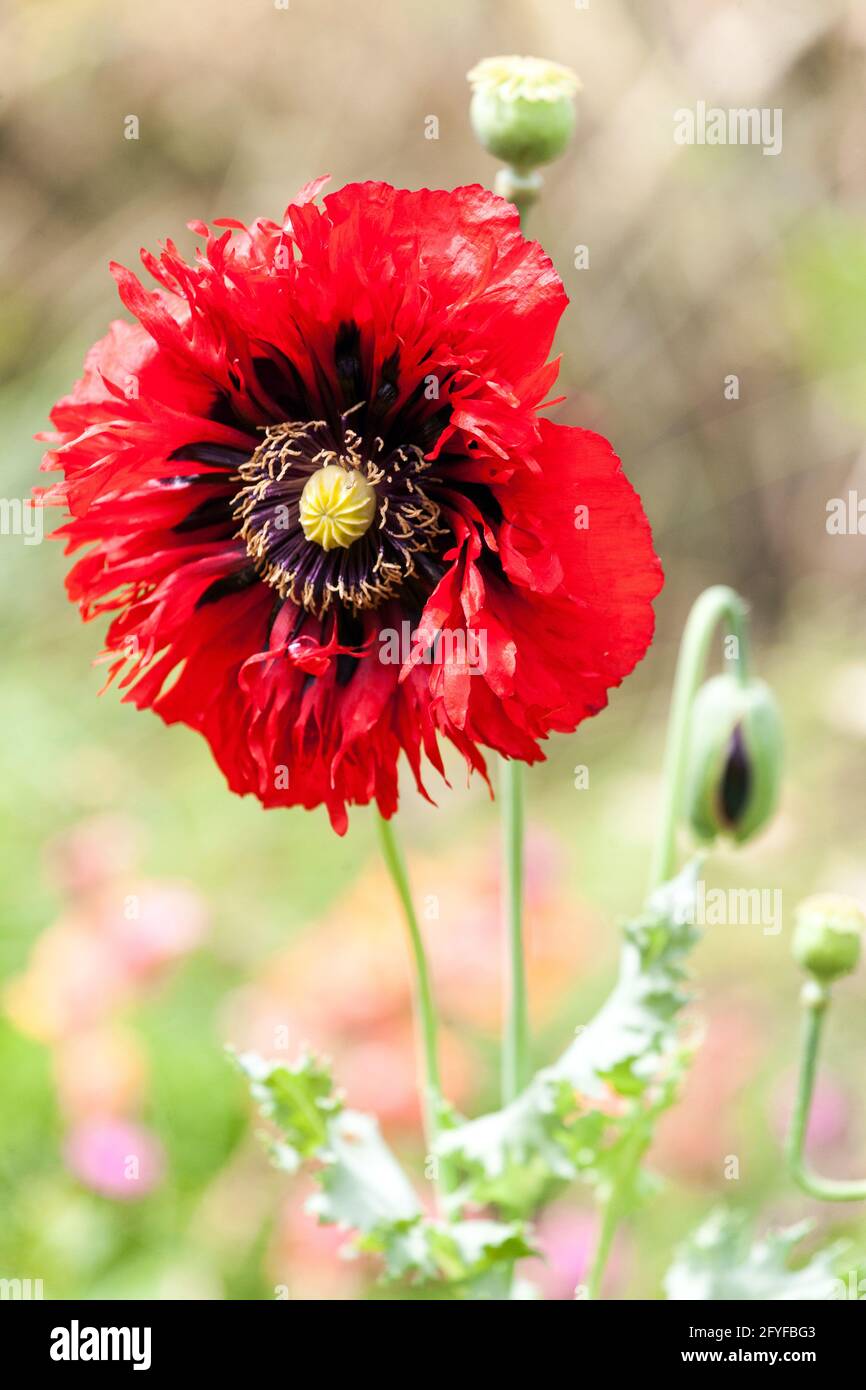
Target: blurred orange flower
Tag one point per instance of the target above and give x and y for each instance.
(344, 987)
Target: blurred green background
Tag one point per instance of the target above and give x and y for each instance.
(148, 916)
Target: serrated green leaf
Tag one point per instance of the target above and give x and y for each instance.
(363, 1185)
(480, 1244)
(573, 1113)
(364, 1190)
(720, 1262)
(474, 1258)
(299, 1099)
(591, 1113)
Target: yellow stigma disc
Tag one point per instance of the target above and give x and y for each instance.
(337, 506)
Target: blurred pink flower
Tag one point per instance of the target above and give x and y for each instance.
(465, 934)
(379, 1072)
(566, 1236)
(695, 1138)
(829, 1117)
(115, 1158)
(306, 1259)
(154, 925)
(93, 961)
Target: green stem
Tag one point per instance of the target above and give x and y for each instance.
(612, 1208)
(610, 1216)
(815, 1001)
(522, 190)
(515, 1045)
(713, 605)
(431, 1088)
(520, 187)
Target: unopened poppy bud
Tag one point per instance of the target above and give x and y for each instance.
(523, 109)
(735, 758)
(827, 936)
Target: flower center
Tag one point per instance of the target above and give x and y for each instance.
(337, 506)
(330, 516)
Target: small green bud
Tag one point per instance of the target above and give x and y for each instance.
(735, 758)
(522, 109)
(827, 935)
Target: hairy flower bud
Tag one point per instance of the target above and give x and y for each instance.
(735, 758)
(523, 109)
(827, 936)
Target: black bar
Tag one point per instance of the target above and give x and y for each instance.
(257, 1338)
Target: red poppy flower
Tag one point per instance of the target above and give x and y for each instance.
(312, 483)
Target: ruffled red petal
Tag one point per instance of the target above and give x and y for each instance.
(149, 439)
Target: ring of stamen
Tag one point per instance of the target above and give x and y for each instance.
(307, 484)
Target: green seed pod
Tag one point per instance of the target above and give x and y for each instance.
(827, 934)
(735, 758)
(522, 109)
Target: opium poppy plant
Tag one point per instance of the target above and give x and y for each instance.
(314, 483)
(322, 432)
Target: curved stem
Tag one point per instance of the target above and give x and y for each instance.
(610, 1216)
(515, 1047)
(815, 1003)
(431, 1088)
(713, 605)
